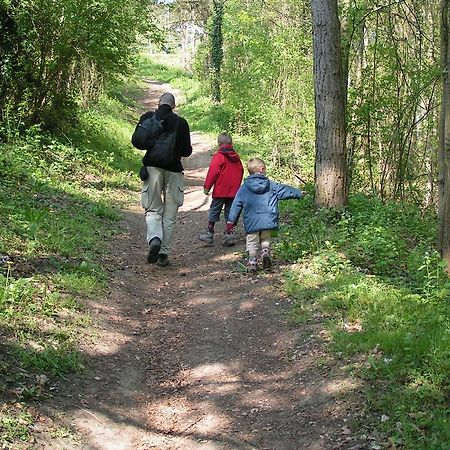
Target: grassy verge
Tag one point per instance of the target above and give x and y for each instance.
(373, 272)
(59, 205)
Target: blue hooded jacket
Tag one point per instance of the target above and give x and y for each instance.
(258, 199)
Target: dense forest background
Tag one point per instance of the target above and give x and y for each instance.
(256, 60)
(68, 77)
(255, 57)
(391, 65)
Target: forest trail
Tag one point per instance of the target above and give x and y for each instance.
(199, 355)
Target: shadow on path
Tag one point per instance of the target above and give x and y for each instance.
(199, 355)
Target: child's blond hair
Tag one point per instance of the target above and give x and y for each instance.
(255, 165)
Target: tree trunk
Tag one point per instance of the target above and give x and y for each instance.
(330, 163)
(216, 49)
(444, 141)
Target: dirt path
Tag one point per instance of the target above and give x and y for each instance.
(199, 355)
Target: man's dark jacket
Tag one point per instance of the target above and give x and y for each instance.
(172, 122)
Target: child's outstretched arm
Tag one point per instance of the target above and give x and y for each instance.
(285, 192)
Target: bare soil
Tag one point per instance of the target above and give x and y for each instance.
(199, 355)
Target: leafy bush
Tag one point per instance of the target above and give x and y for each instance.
(373, 270)
(67, 50)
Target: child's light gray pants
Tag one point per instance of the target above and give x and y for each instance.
(258, 241)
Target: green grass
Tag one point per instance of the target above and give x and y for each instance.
(15, 421)
(373, 271)
(60, 200)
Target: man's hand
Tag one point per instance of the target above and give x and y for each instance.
(206, 191)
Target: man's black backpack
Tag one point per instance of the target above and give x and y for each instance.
(146, 132)
(160, 144)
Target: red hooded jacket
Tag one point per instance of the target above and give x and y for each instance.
(225, 173)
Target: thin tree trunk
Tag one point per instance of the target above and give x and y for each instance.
(444, 147)
(330, 163)
(216, 49)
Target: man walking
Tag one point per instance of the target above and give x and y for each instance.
(163, 189)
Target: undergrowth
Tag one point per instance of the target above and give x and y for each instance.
(60, 197)
(374, 272)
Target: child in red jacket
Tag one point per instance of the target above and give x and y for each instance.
(225, 174)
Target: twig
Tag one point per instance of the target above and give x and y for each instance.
(92, 414)
(298, 178)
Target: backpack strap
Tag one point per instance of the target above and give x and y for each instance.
(177, 121)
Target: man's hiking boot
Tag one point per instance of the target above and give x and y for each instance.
(154, 247)
(266, 261)
(252, 266)
(230, 240)
(163, 260)
(206, 237)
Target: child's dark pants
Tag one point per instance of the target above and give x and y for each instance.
(216, 207)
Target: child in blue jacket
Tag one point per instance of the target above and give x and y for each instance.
(258, 199)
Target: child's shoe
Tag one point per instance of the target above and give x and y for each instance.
(206, 237)
(230, 240)
(252, 265)
(266, 261)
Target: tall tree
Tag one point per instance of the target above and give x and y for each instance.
(216, 43)
(330, 162)
(444, 147)
(393, 81)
